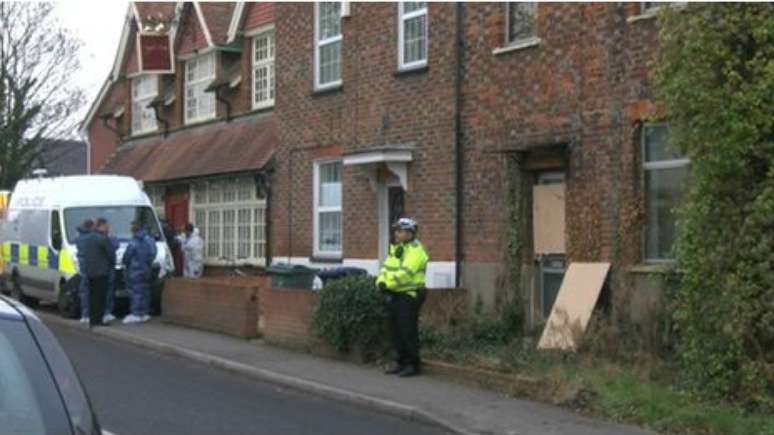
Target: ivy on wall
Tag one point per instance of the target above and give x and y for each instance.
(715, 79)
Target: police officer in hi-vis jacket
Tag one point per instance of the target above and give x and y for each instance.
(402, 280)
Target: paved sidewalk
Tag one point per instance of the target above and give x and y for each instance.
(459, 409)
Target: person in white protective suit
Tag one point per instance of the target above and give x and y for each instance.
(193, 252)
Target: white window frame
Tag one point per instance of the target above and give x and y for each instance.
(520, 41)
(402, 18)
(141, 102)
(269, 64)
(257, 229)
(318, 44)
(654, 166)
(318, 209)
(156, 197)
(199, 81)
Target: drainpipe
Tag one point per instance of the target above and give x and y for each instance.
(157, 112)
(263, 179)
(458, 148)
(224, 101)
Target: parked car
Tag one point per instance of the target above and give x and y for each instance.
(40, 393)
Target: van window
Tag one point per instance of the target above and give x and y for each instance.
(119, 217)
(33, 227)
(56, 231)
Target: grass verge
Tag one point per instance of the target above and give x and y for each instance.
(641, 390)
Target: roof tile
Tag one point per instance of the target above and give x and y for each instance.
(241, 145)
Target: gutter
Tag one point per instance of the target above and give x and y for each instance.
(458, 148)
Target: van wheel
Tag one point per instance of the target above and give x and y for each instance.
(18, 294)
(68, 302)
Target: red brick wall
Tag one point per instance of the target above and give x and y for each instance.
(286, 315)
(585, 84)
(257, 14)
(227, 305)
(191, 33)
(374, 108)
(103, 140)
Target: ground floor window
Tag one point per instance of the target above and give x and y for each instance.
(156, 196)
(665, 173)
(231, 218)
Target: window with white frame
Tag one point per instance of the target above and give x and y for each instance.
(327, 53)
(520, 22)
(652, 6)
(156, 196)
(412, 34)
(144, 90)
(327, 209)
(665, 176)
(199, 73)
(231, 221)
(263, 70)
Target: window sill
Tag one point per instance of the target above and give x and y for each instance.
(653, 268)
(401, 72)
(191, 122)
(327, 90)
(518, 45)
(653, 12)
(142, 134)
(332, 260)
(263, 106)
(649, 15)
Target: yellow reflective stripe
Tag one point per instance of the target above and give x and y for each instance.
(6, 251)
(24, 254)
(66, 263)
(42, 257)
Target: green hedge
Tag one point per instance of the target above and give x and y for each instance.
(352, 315)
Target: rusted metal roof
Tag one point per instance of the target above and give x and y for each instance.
(241, 145)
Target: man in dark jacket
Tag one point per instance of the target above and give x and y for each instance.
(98, 260)
(138, 263)
(83, 288)
(111, 288)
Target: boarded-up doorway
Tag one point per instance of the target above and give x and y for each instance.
(548, 220)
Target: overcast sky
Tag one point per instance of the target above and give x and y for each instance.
(97, 23)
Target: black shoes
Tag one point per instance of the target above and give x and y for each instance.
(409, 371)
(394, 369)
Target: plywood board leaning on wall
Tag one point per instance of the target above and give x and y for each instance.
(548, 218)
(574, 304)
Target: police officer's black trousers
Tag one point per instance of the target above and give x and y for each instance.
(403, 313)
(98, 287)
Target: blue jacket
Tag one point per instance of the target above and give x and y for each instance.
(96, 254)
(138, 258)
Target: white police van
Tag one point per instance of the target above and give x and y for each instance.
(38, 235)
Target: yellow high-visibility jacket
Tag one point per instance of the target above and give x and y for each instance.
(407, 273)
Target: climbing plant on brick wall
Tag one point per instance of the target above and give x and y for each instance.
(715, 78)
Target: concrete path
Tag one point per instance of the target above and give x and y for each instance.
(460, 409)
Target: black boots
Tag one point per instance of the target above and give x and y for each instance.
(402, 371)
(409, 371)
(394, 369)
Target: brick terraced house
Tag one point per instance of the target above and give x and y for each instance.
(188, 109)
(521, 136)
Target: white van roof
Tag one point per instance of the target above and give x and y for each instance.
(77, 191)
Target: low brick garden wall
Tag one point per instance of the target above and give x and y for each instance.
(227, 305)
(286, 315)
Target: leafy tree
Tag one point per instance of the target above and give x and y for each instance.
(715, 79)
(37, 96)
